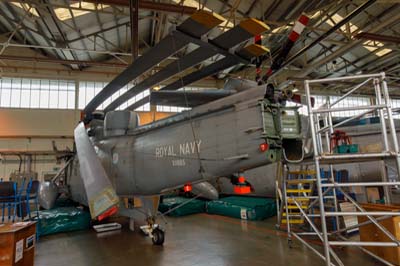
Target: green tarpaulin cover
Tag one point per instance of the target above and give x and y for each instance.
(246, 208)
(194, 206)
(63, 219)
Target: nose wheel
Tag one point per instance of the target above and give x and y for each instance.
(158, 236)
(154, 231)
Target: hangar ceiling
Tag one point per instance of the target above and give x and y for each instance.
(94, 37)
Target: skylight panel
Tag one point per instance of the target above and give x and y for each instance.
(65, 13)
(195, 4)
(369, 45)
(26, 7)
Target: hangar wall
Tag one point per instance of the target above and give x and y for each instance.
(34, 130)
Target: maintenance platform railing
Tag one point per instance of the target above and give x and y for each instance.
(322, 128)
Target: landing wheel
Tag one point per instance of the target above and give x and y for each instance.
(158, 237)
(290, 243)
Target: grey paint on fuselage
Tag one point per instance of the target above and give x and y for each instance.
(188, 151)
(217, 139)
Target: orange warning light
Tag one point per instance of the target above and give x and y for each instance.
(241, 179)
(264, 147)
(242, 189)
(187, 187)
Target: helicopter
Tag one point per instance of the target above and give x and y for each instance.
(117, 158)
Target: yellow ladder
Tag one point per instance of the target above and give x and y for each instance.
(299, 188)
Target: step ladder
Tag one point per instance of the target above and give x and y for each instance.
(298, 186)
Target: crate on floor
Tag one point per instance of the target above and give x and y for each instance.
(246, 208)
(63, 219)
(346, 148)
(191, 207)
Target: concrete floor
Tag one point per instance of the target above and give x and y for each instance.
(194, 240)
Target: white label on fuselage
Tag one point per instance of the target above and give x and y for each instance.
(180, 150)
(243, 214)
(115, 158)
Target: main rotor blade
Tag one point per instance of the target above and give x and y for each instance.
(249, 51)
(227, 40)
(187, 98)
(196, 25)
(102, 198)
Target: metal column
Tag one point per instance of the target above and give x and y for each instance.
(134, 16)
(318, 174)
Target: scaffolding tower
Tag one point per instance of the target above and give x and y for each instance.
(322, 128)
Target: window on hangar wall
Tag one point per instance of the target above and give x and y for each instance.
(347, 102)
(171, 109)
(396, 108)
(37, 93)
